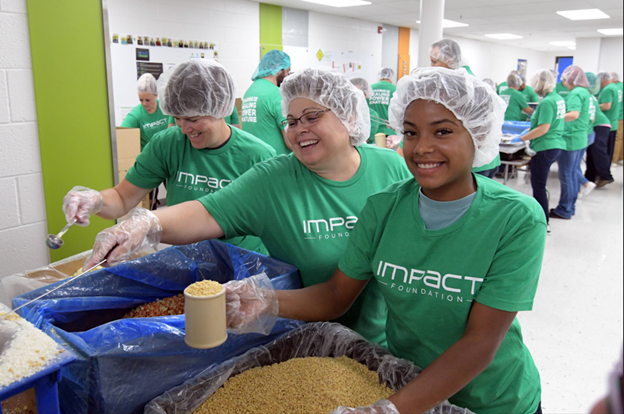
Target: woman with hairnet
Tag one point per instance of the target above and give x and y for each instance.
(546, 135)
(517, 106)
(575, 134)
(455, 255)
(203, 155)
(383, 91)
(262, 103)
(375, 121)
(303, 206)
(148, 116)
(527, 91)
(610, 103)
(447, 54)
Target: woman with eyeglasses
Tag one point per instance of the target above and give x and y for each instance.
(303, 206)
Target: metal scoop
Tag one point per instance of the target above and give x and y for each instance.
(54, 240)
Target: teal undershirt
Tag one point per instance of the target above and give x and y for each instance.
(440, 214)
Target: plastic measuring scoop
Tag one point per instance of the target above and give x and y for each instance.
(54, 241)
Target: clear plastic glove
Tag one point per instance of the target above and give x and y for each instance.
(380, 407)
(80, 203)
(141, 230)
(393, 141)
(518, 139)
(251, 305)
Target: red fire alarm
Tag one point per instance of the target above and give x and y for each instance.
(380, 29)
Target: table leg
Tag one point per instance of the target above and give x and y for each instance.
(506, 174)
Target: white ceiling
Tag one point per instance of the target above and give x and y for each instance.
(536, 21)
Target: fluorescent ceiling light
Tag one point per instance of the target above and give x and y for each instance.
(339, 3)
(588, 14)
(611, 32)
(572, 47)
(447, 24)
(569, 43)
(503, 36)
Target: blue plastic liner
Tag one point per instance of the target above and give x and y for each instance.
(124, 363)
(515, 127)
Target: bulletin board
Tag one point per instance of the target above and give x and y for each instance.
(351, 64)
(127, 69)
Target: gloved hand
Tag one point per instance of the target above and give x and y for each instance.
(251, 305)
(80, 203)
(393, 141)
(141, 230)
(380, 407)
(518, 139)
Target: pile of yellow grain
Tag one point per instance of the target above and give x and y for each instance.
(298, 386)
(204, 288)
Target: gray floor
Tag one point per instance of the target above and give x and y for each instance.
(575, 330)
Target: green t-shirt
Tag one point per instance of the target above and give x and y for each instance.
(620, 87)
(306, 220)
(600, 117)
(191, 173)
(515, 105)
(562, 90)
(430, 278)
(382, 94)
(171, 120)
(468, 70)
(610, 94)
(233, 119)
(375, 125)
(575, 132)
(502, 88)
(490, 166)
(551, 110)
(149, 124)
(530, 95)
(262, 114)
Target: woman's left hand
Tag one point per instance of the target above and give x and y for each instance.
(380, 407)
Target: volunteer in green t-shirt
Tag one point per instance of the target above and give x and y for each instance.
(618, 153)
(517, 106)
(562, 90)
(502, 87)
(546, 134)
(303, 206)
(375, 122)
(202, 155)
(455, 255)
(447, 54)
(598, 162)
(609, 104)
(577, 124)
(262, 103)
(382, 94)
(528, 92)
(148, 116)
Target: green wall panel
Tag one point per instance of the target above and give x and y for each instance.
(69, 69)
(270, 27)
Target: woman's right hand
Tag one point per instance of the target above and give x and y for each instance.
(116, 244)
(251, 305)
(80, 203)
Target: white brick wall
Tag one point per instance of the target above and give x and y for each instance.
(23, 225)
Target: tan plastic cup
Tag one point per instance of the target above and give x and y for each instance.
(380, 140)
(205, 320)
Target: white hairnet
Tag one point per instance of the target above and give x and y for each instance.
(615, 77)
(271, 64)
(386, 73)
(332, 90)
(147, 83)
(543, 82)
(575, 76)
(448, 52)
(490, 82)
(363, 85)
(604, 76)
(594, 83)
(197, 87)
(472, 101)
(514, 80)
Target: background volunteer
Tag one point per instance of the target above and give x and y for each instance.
(232, 119)
(446, 222)
(382, 94)
(203, 155)
(618, 152)
(586, 186)
(147, 116)
(527, 91)
(447, 54)
(577, 123)
(610, 105)
(516, 103)
(363, 85)
(262, 103)
(546, 134)
(503, 86)
(310, 200)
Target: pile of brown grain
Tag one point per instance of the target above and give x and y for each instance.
(164, 307)
(298, 386)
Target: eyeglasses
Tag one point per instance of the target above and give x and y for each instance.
(307, 119)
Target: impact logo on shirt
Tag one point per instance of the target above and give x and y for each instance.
(503, 89)
(561, 110)
(506, 98)
(449, 287)
(200, 183)
(249, 109)
(155, 124)
(380, 97)
(333, 228)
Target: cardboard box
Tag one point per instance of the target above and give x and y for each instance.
(239, 107)
(128, 143)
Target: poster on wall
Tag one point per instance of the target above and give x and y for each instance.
(156, 41)
(522, 67)
(351, 64)
(154, 68)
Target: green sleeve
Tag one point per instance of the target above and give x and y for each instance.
(357, 258)
(234, 119)
(522, 101)
(131, 122)
(276, 111)
(171, 120)
(547, 113)
(150, 169)
(237, 208)
(609, 96)
(511, 282)
(533, 96)
(574, 103)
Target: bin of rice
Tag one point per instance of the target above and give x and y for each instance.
(312, 369)
(205, 322)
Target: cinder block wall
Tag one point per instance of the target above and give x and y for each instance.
(23, 225)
